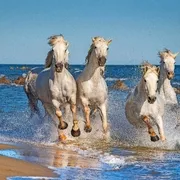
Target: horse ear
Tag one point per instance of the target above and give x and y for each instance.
(145, 69)
(109, 41)
(67, 44)
(93, 39)
(175, 55)
(158, 70)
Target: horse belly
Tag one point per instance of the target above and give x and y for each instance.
(42, 88)
(133, 114)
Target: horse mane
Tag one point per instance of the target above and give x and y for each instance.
(53, 40)
(165, 53)
(146, 66)
(48, 60)
(89, 53)
(95, 39)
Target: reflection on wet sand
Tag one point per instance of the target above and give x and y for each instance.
(64, 158)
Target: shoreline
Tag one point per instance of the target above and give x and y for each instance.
(10, 167)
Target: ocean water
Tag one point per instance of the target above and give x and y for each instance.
(128, 155)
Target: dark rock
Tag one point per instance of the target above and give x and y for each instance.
(4, 80)
(177, 90)
(20, 80)
(119, 85)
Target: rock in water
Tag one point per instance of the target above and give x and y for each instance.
(177, 90)
(119, 85)
(20, 80)
(4, 80)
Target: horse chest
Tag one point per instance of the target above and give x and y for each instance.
(149, 109)
(96, 91)
(59, 93)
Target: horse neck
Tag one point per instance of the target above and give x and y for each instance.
(164, 82)
(92, 69)
(164, 87)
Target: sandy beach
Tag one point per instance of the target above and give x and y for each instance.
(14, 167)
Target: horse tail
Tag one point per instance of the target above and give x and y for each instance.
(29, 88)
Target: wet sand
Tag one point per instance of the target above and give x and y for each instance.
(14, 167)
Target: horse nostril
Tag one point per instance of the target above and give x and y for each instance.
(59, 67)
(151, 99)
(102, 61)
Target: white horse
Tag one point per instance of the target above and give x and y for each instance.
(30, 82)
(92, 88)
(167, 65)
(144, 105)
(56, 87)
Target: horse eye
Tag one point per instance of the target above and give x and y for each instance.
(144, 80)
(95, 47)
(107, 48)
(157, 81)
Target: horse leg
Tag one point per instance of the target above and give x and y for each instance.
(66, 111)
(160, 128)
(103, 114)
(62, 123)
(75, 132)
(153, 135)
(87, 127)
(50, 110)
(32, 104)
(36, 108)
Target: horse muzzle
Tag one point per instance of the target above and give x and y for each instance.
(151, 99)
(59, 67)
(170, 75)
(102, 61)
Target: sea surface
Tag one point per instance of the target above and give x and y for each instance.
(128, 155)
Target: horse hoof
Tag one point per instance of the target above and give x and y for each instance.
(154, 138)
(75, 133)
(88, 129)
(65, 125)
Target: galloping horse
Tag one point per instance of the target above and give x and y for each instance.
(145, 105)
(92, 88)
(56, 87)
(30, 82)
(167, 65)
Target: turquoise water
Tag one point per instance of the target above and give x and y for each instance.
(129, 155)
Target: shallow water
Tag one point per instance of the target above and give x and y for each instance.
(128, 155)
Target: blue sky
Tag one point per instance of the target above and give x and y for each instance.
(139, 29)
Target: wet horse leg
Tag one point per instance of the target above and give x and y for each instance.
(153, 135)
(75, 132)
(50, 110)
(160, 128)
(62, 124)
(87, 127)
(103, 114)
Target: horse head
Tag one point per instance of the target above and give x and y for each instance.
(150, 80)
(168, 62)
(58, 56)
(99, 48)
